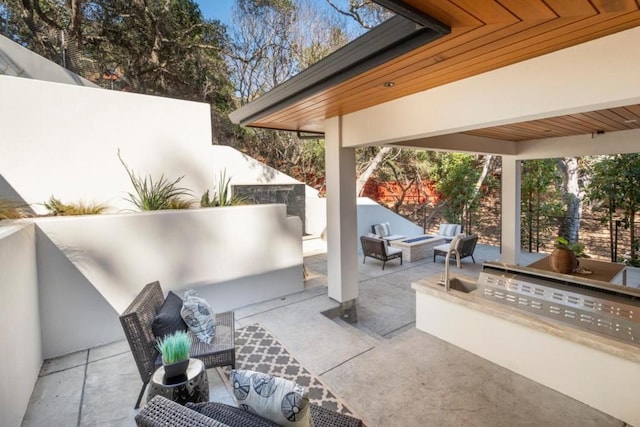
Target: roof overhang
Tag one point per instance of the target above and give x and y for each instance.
(393, 38)
(485, 37)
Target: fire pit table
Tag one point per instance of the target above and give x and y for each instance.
(418, 247)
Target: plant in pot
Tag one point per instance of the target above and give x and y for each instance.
(563, 259)
(175, 353)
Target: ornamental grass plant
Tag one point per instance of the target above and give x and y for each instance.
(153, 195)
(57, 208)
(174, 347)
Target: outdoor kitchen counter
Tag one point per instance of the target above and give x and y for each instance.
(431, 286)
(596, 370)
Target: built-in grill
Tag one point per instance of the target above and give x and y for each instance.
(612, 310)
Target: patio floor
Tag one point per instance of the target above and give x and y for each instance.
(386, 371)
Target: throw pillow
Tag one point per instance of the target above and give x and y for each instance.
(386, 229)
(168, 319)
(198, 316)
(228, 415)
(276, 399)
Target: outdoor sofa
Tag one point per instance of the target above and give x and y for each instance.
(161, 411)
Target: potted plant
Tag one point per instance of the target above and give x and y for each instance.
(175, 353)
(563, 259)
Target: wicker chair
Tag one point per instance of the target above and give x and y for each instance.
(136, 321)
(377, 248)
(163, 412)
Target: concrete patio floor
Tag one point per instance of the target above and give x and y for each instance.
(386, 371)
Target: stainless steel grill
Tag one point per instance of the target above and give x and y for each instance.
(611, 315)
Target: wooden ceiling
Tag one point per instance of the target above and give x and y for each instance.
(485, 35)
(610, 120)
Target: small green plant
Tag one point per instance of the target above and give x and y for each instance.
(57, 208)
(10, 209)
(223, 196)
(578, 249)
(153, 195)
(174, 347)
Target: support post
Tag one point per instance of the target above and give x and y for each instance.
(342, 223)
(510, 236)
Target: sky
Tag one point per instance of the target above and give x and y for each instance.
(216, 9)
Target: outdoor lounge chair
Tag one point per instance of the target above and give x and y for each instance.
(383, 231)
(161, 411)
(379, 249)
(137, 319)
(464, 248)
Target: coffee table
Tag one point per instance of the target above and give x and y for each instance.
(192, 387)
(418, 247)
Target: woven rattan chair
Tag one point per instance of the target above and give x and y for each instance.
(163, 412)
(136, 321)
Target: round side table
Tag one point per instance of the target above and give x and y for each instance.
(192, 387)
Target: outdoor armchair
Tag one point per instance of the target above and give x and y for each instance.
(461, 248)
(379, 249)
(383, 231)
(137, 319)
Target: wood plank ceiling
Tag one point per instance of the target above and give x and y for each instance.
(485, 35)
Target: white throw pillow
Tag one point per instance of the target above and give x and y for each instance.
(385, 227)
(198, 316)
(277, 399)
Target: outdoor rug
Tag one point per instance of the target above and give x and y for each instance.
(257, 350)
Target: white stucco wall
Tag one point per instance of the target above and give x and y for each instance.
(21, 354)
(91, 267)
(63, 140)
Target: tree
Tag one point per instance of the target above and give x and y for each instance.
(541, 199)
(159, 47)
(365, 12)
(456, 176)
(615, 180)
(570, 226)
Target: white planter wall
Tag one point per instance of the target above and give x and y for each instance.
(91, 267)
(21, 354)
(70, 151)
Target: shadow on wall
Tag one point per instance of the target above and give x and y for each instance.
(8, 193)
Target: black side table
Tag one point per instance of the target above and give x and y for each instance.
(192, 387)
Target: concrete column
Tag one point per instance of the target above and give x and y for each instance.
(510, 239)
(342, 223)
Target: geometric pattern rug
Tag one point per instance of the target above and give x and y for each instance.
(257, 350)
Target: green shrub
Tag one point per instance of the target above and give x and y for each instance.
(57, 208)
(174, 347)
(153, 195)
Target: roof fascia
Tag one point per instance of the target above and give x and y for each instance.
(393, 38)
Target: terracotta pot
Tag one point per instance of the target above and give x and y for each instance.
(563, 260)
(176, 369)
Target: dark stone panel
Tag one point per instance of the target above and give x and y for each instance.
(292, 195)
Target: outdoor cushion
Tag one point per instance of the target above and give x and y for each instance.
(277, 399)
(448, 230)
(198, 316)
(391, 250)
(168, 320)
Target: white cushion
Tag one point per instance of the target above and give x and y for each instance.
(277, 399)
(392, 250)
(449, 230)
(442, 248)
(385, 227)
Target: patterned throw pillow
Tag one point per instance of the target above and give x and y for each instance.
(198, 316)
(276, 399)
(386, 229)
